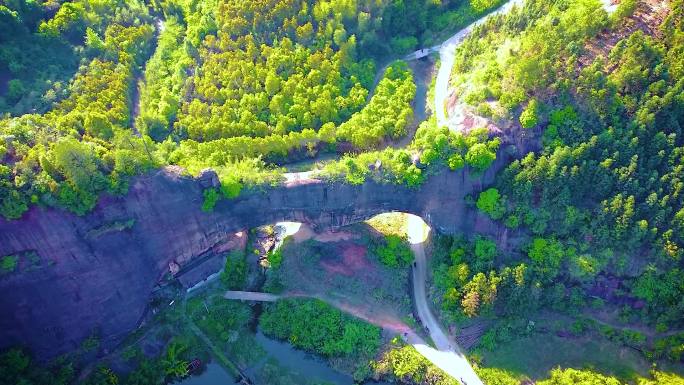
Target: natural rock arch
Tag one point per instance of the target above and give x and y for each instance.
(95, 273)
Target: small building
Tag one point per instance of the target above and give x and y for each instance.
(201, 270)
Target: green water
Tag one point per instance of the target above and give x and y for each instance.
(283, 364)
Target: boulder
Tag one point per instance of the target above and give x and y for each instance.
(208, 179)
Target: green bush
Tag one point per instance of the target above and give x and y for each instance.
(529, 117)
(496, 376)
(579, 377)
(315, 326)
(9, 263)
(625, 8)
(275, 258)
(18, 368)
(491, 203)
(480, 156)
(483, 5)
(211, 196)
(407, 365)
(394, 252)
(234, 273)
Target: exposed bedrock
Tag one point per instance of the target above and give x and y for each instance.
(93, 275)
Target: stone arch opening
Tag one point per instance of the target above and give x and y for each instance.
(101, 275)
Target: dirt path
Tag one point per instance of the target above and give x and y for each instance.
(447, 355)
(251, 296)
(374, 316)
(299, 178)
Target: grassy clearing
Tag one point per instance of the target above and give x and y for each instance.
(536, 355)
(345, 271)
(389, 223)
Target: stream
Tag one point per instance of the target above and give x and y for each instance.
(292, 363)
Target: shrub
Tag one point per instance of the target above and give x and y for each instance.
(626, 8)
(234, 273)
(480, 6)
(9, 263)
(529, 117)
(211, 196)
(315, 326)
(395, 252)
(456, 162)
(275, 258)
(409, 366)
(480, 156)
(490, 202)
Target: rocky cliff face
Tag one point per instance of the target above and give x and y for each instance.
(80, 276)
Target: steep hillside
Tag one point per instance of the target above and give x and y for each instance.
(602, 200)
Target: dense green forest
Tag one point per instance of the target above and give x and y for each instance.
(96, 92)
(601, 204)
(237, 86)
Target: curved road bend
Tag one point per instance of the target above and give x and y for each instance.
(447, 52)
(446, 355)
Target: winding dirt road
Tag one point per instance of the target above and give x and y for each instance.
(446, 355)
(447, 52)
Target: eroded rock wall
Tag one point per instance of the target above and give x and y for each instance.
(94, 274)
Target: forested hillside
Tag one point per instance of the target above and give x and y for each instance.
(97, 91)
(576, 246)
(601, 205)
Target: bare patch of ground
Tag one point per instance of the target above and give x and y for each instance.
(463, 117)
(300, 178)
(305, 233)
(353, 261)
(647, 18)
(339, 267)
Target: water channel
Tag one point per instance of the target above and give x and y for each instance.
(294, 364)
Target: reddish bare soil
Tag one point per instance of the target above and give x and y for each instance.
(647, 18)
(353, 260)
